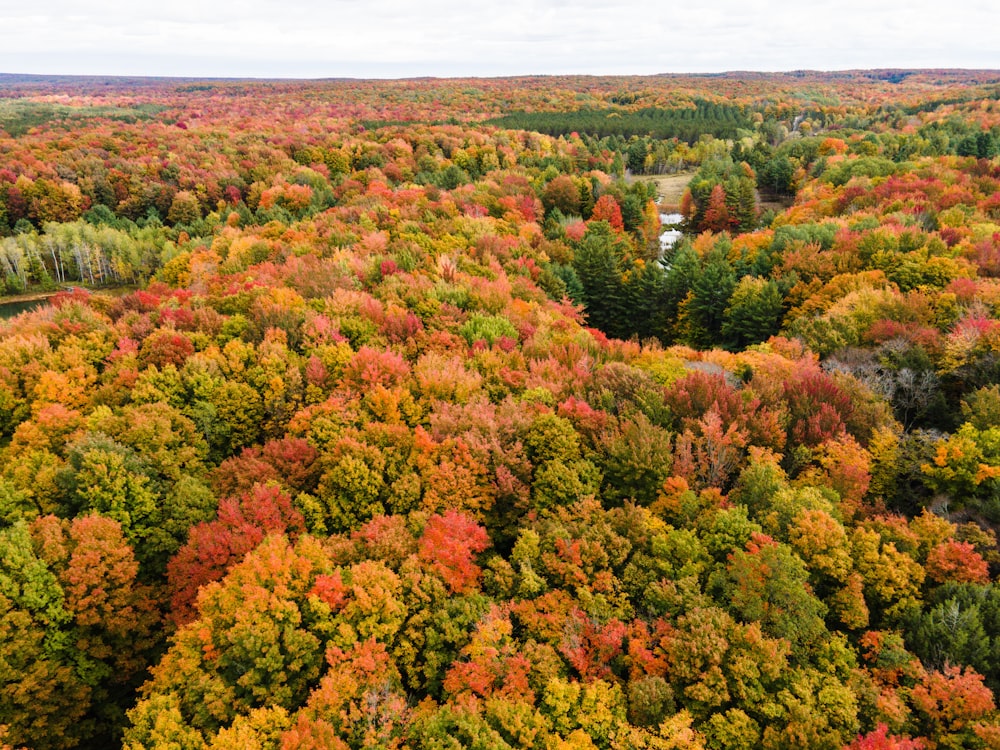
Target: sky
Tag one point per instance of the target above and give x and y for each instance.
(406, 38)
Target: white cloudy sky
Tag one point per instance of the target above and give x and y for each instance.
(400, 38)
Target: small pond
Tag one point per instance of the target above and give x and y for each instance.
(16, 307)
(670, 233)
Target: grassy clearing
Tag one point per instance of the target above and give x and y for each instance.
(669, 188)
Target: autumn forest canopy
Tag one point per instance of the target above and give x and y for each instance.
(377, 414)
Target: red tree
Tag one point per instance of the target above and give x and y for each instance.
(880, 739)
(607, 209)
(956, 561)
(449, 544)
(717, 216)
(214, 546)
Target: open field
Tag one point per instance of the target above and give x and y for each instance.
(670, 188)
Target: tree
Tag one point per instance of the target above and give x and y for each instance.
(108, 478)
(358, 703)
(607, 209)
(704, 308)
(77, 630)
(777, 175)
(891, 578)
(240, 410)
(214, 546)
(290, 462)
(822, 543)
(717, 216)
(184, 209)
(741, 196)
(948, 705)
(448, 545)
(491, 663)
(51, 201)
(165, 347)
(966, 465)
(818, 709)
(714, 663)
(252, 645)
(880, 739)
(645, 292)
(562, 194)
(767, 584)
(753, 314)
(636, 156)
(818, 407)
(636, 458)
(953, 560)
(44, 699)
(709, 452)
(598, 264)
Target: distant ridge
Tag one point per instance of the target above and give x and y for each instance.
(891, 75)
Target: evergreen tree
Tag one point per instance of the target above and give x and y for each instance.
(706, 305)
(598, 266)
(754, 313)
(683, 270)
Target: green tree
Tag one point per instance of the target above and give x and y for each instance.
(754, 313)
(776, 175)
(598, 262)
(768, 583)
(959, 626)
(705, 307)
(635, 157)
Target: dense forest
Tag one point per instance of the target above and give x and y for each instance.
(375, 414)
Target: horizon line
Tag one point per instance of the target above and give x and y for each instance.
(334, 78)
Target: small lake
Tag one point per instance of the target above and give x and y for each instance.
(13, 309)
